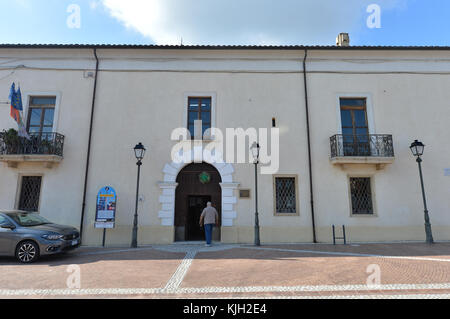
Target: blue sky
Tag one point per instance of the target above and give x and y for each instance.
(260, 22)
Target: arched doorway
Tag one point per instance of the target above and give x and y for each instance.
(197, 184)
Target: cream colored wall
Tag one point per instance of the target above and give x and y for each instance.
(113, 159)
(408, 106)
(62, 185)
(141, 98)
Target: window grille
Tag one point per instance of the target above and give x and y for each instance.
(361, 195)
(286, 201)
(30, 193)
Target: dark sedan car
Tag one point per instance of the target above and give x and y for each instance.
(29, 236)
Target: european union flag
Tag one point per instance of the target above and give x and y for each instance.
(12, 91)
(19, 105)
(16, 98)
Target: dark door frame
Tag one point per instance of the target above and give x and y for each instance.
(189, 184)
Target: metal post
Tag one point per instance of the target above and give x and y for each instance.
(257, 241)
(104, 237)
(428, 232)
(343, 231)
(334, 236)
(135, 222)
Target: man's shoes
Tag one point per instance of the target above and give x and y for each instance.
(208, 245)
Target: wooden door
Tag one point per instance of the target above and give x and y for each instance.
(355, 129)
(197, 184)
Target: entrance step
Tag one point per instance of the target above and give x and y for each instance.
(191, 243)
(198, 246)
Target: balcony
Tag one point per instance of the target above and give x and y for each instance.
(46, 148)
(376, 149)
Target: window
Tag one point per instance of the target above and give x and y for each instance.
(30, 192)
(361, 195)
(285, 195)
(355, 129)
(199, 108)
(41, 114)
(28, 220)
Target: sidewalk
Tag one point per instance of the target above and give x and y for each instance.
(236, 271)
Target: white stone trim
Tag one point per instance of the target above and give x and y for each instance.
(167, 201)
(227, 207)
(228, 202)
(169, 185)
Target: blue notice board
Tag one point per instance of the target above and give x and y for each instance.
(105, 216)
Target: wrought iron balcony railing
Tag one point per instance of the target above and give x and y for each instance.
(38, 144)
(374, 145)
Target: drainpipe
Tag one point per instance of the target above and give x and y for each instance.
(309, 148)
(89, 146)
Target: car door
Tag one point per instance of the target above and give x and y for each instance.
(7, 237)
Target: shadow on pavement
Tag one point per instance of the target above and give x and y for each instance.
(285, 252)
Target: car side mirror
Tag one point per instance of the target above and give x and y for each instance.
(8, 226)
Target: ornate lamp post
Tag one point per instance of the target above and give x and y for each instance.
(139, 152)
(255, 152)
(417, 150)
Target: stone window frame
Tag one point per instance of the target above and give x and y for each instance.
(194, 94)
(297, 200)
(372, 191)
(19, 188)
(27, 99)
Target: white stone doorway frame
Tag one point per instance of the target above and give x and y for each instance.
(169, 185)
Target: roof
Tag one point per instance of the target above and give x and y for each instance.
(215, 47)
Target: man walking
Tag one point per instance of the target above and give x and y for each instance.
(208, 218)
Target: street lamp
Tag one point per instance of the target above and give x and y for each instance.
(417, 150)
(255, 152)
(139, 152)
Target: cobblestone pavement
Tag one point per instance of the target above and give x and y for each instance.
(191, 270)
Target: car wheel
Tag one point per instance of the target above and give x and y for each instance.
(27, 252)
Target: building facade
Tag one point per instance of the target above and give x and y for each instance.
(345, 118)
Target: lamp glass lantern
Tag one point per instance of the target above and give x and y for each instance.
(255, 151)
(417, 148)
(139, 151)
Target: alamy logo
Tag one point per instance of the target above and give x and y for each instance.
(374, 279)
(74, 279)
(374, 19)
(211, 146)
(74, 19)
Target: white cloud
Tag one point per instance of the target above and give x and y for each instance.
(26, 4)
(243, 21)
(93, 4)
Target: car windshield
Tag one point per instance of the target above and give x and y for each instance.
(28, 219)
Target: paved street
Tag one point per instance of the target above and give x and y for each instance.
(190, 270)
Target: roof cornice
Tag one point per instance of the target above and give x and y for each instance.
(219, 47)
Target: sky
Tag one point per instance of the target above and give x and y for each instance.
(225, 22)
